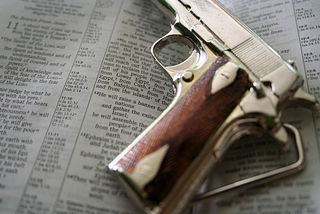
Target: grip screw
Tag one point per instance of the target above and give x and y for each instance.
(188, 76)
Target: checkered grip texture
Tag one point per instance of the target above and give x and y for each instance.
(186, 128)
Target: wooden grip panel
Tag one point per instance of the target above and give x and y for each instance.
(186, 128)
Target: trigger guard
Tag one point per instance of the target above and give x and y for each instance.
(268, 176)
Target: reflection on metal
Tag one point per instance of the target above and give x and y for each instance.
(265, 177)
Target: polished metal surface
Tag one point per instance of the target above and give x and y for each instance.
(209, 30)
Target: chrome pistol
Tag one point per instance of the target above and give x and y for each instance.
(232, 85)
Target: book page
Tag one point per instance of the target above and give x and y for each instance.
(292, 29)
(78, 84)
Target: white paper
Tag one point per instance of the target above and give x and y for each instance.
(76, 89)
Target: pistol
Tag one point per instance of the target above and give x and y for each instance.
(232, 85)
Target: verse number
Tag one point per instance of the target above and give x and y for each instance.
(12, 25)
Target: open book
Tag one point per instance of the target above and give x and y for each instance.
(78, 84)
